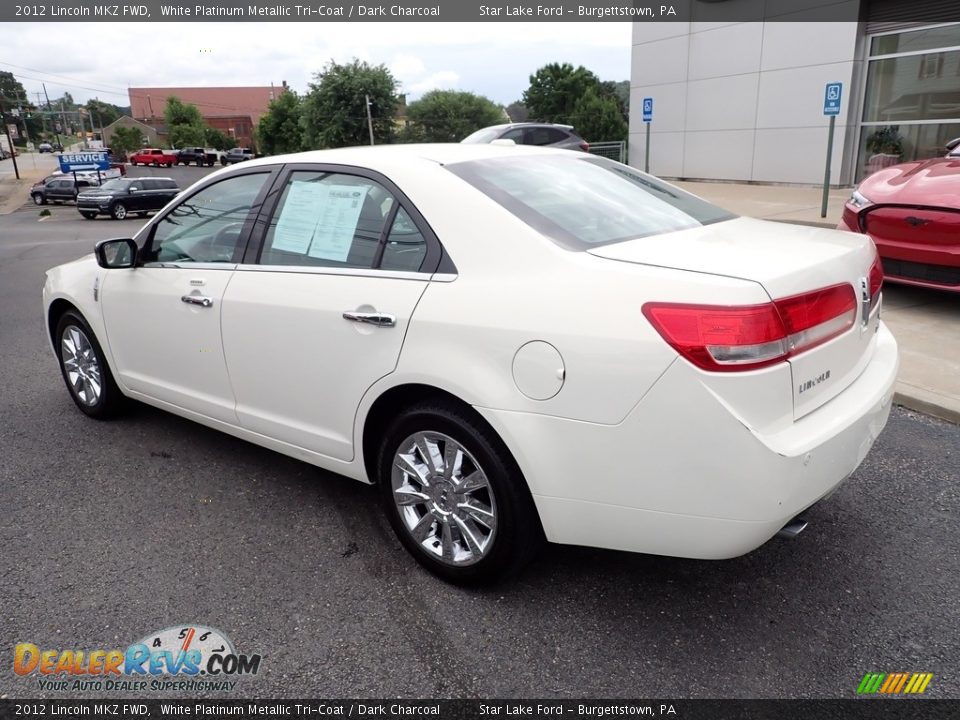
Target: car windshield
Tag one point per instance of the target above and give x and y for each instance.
(583, 201)
(115, 185)
(483, 136)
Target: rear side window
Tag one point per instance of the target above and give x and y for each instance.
(328, 220)
(543, 136)
(584, 201)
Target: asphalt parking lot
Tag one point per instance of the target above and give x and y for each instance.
(112, 530)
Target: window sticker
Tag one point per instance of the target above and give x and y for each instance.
(298, 219)
(319, 220)
(337, 223)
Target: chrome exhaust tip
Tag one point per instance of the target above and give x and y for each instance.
(792, 528)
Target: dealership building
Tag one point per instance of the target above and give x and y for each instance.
(744, 101)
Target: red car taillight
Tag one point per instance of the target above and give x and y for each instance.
(875, 280)
(735, 338)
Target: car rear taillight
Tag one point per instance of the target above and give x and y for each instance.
(875, 281)
(747, 337)
(585, 146)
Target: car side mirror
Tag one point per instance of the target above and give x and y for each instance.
(953, 144)
(115, 254)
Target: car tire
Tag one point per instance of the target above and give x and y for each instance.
(133, 163)
(39, 199)
(223, 161)
(88, 215)
(84, 368)
(156, 164)
(118, 211)
(471, 521)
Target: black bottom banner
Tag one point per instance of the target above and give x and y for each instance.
(861, 709)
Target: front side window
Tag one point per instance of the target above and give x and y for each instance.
(580, 202)
(208, 225)
(328, 219)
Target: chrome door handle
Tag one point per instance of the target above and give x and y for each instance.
(200, 300)
(378, 319)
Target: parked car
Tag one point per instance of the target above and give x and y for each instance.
(93, 175)
(197, 155)
(119, 198)
(45, 147)
(541, 134)
(59, 189)
(513, 343)
(153, 156)
(235, 155)
(912, 213)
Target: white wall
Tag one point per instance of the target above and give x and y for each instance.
(743, 101)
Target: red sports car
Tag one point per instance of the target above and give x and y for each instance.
(912, 212)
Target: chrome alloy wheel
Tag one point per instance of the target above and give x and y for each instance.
(444, 499)
(80, 365)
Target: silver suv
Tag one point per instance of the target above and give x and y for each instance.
(549, 134)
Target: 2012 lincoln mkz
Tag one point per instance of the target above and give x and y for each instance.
(515, 344)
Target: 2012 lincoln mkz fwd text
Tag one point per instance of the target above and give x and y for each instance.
(515, 344)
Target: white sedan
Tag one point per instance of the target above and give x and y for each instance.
(514, 343)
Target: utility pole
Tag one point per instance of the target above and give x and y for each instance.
(55, 133)
(43, 115)
(83, 129)
(63, 118)
(99, 122)
(13, 150)
(369, 119)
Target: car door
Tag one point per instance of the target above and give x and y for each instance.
(320, 313)
(163, 317)
(63, 190)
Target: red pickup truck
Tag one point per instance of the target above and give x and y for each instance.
(153, 156)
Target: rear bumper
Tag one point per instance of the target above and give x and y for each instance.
(683, 476)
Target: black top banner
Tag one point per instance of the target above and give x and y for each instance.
(459, 11)
(861, 709)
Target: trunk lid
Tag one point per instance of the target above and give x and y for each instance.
(786, 260)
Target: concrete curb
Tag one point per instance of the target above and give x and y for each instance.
(926, 406)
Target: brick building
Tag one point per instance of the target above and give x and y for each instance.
(232, 110)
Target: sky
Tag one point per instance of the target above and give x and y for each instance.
(494, 59)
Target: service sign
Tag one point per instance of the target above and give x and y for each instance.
(92, 160)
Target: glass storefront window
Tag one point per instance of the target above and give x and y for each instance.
(927, 39)
(885, 145)
(914, 87)
(911, 106)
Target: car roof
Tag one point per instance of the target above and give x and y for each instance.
(504, 126)
(388, 155)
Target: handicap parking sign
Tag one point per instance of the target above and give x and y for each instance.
(831, 98)
(647, 109)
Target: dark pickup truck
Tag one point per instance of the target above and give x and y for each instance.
(198, 155)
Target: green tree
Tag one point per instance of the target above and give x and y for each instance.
(126, 139)
(217, 139)
(554, 90)
(518, 112)
(279, 130)
(185, 126)
(597, 117)
(102, 113)
(334, 110)
(178, 112)
(450, 115)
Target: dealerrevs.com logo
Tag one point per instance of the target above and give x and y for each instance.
(189, 657)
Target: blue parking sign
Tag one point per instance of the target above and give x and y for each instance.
(647, 109)
(832, 95)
